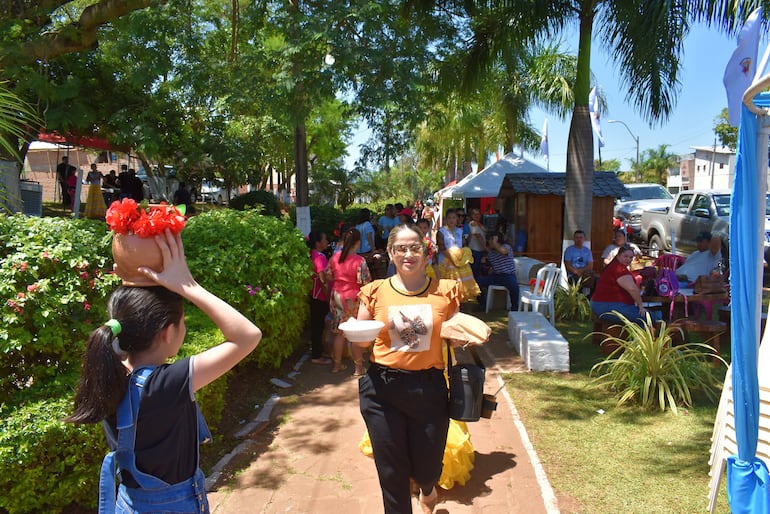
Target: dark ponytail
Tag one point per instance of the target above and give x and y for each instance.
(142, 312)
(314, 237)
(349, 239)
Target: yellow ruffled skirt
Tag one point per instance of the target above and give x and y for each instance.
(458, 454)
(462, 272)
(95, 207)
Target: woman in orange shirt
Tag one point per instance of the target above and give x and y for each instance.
(403, 396)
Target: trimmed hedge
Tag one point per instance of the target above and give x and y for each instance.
(258, 264)
(254, 199)
(45, 464)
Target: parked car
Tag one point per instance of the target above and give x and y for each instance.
(641, 197)
(213, 191)
(689, 214)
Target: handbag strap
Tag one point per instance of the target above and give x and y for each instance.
(472, 350)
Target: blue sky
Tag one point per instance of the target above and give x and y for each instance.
(702, 97)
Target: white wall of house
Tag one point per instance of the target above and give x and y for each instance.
(695, 169)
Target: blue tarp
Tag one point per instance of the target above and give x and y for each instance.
(747, 475)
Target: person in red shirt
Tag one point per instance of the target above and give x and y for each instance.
(617, 291)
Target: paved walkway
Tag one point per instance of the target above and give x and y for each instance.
(307, 459)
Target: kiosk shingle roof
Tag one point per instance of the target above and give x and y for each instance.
(605, 183)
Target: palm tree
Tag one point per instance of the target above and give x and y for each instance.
(655, 164)
(492, 110)
(16, 118)
(643, 39)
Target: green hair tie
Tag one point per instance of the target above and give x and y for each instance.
(114, 326)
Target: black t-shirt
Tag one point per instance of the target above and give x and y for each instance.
(124, 179)
(166, 434)
(182, 196)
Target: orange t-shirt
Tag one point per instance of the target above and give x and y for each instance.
(412, 336)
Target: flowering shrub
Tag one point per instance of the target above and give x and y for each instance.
(54, 276)
(259, 264)
(54, 283)
(126, 216)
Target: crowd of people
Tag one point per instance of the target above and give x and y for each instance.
(103, 189)
(459, 249)
(620, 289)
(405, 270)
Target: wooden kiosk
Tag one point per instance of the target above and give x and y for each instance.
(534, 203)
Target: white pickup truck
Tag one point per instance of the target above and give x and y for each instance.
(690, 213)
(641, 197)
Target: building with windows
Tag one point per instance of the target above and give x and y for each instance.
(708, 167)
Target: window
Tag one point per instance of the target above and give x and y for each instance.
(682, 204)
(702, 202)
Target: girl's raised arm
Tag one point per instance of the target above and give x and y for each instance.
(241, 335)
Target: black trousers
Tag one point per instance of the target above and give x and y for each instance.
(407, 416)
(318, 311)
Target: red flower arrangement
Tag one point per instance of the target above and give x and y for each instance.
(127, 217)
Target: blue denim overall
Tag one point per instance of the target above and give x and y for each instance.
(155, 495)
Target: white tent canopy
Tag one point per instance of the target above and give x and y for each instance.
(487, 182)
(448, 192)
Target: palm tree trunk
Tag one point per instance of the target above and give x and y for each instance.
(578, 197)
(481, 154)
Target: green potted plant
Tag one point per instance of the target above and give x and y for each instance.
(647, 368)
(571, 304)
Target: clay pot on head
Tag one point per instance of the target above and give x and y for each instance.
(129, 252)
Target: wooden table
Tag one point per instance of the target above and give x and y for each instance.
(708, 299)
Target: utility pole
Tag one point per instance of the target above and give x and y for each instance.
(713, 158)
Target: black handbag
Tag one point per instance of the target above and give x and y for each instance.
(466, 388)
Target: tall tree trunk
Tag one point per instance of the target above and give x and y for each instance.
(300, 163)
(467, 158)
(481, 154)
(578, 197)
(386, 144)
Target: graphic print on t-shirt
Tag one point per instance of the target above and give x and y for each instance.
(410, 327)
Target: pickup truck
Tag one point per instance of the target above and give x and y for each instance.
(690, 213)
(641, 197)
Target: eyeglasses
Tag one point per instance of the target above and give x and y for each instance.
(416, 249)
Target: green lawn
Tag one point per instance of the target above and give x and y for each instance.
(624, 460)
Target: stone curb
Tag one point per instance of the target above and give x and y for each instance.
(254, 427)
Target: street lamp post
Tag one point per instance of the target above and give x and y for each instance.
(636, 138)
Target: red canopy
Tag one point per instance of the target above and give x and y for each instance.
(82, 141)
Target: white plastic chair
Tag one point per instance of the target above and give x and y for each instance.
(491, 290)
(545, 288)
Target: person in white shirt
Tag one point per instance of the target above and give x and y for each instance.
(618, 242)
(704, 260)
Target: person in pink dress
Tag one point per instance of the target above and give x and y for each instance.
(319, 296)
(349, 272)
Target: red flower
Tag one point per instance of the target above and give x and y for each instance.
(127, 217)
